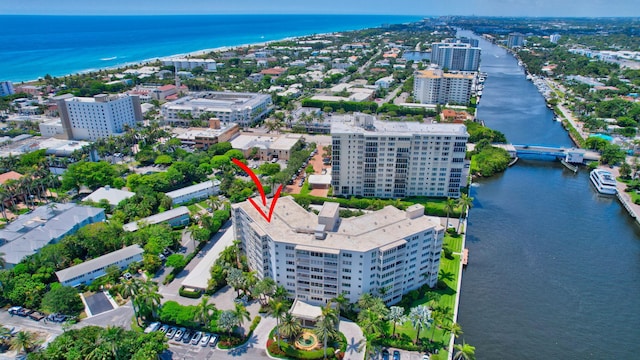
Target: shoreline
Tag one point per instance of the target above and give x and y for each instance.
(144, 62)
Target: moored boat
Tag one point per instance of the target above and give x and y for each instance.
(604, 182)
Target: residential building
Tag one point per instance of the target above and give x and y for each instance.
(197, 192)
(245, 109)
(455, 56)
(374, 158)
(515, 40)
(190, 64)
(6, 88)
(384, 83)
(269, 146)
(465, 40)
(554, 38)
(44, 225)
(202, 138)
(51, 128)
(318, 257)
(85, 273)
(98, 117)
(113, 196)
(174, 217)
(434, 86)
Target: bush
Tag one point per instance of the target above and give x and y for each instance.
(63, 300)
(254, 323)
(189, 294)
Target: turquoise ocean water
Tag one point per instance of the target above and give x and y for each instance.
(32, 46)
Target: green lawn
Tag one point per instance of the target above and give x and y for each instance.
(447, 298)
(635, 197)
(305, 190)
(453, 242)
(193, 208)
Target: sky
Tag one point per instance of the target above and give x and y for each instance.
(572, 8)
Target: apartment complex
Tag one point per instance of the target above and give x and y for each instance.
(202, 138)
(179, 216)
(198, 191)
(190, 64)
(515, 40)
(48, 224)
(317, 257)
(269, 146)
(90, 270)
(456, 56)
(101, 116)
(245, 109)
(382, 159)
(6, 88)
(434, 86)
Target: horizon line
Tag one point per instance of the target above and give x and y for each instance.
(345, 14)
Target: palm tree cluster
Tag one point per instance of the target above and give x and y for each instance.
(463, 202)
(144, 295)
(31, 188)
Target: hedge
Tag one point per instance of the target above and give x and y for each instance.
(189, 294)
(254, 323)
(289, 351)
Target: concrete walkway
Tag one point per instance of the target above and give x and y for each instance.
(355, 340)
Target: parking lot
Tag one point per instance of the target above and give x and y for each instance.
(404, 355)
(180, 350)
(98, 303)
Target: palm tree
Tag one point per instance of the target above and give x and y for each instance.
(214, 202)
(342, 301)
(420, 317)
(325, 329)
(204, 311)
(464, 202)
(455, 329)
(149, 300)
(23, 341)
(241, 312)
(131, 288)
(370, 322)
(449, 206)
(290, 326)
(365, 301)
(464, 351)
(396, 314)
(276, 309)
(3, 262)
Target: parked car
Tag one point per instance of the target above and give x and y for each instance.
(14, 310)
(127, 276)
(164, 328)
(187, 336)
(179, 334)
(425, 357)
(56, 317)
(205, 340)
(214, 340)
(385, 354)
(24, 312)
(171, 332)
(152, 327)
(196, 338)
(396, 355)
(36, 315)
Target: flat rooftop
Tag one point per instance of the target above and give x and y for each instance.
(97, 263)
(272, 142)
(293, 224)
(355, 124)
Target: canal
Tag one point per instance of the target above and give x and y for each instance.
(554, 268)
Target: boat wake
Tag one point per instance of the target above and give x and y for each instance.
(109, 58)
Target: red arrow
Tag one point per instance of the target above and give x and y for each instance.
(261, 191)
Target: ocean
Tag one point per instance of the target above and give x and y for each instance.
(33, 46)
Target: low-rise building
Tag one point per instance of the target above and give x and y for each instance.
(244, 109)
(47, 224)
(174, 217)
(190, 64)
(269, 146)
(202, 138)
(85, 273)
(197, 192)
(113, 196)
(317, 257)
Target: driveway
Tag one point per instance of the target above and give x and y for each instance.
(355, 339)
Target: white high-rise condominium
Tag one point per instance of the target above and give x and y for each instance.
(373, 158)
(98, 117)
(434, 86)
(317, 257)
(6, 88)
(455, 56)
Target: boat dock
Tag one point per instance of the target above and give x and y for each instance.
(465, 257)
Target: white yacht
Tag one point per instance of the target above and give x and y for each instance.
(604, 182)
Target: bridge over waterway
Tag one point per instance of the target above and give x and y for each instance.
(569, 155)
